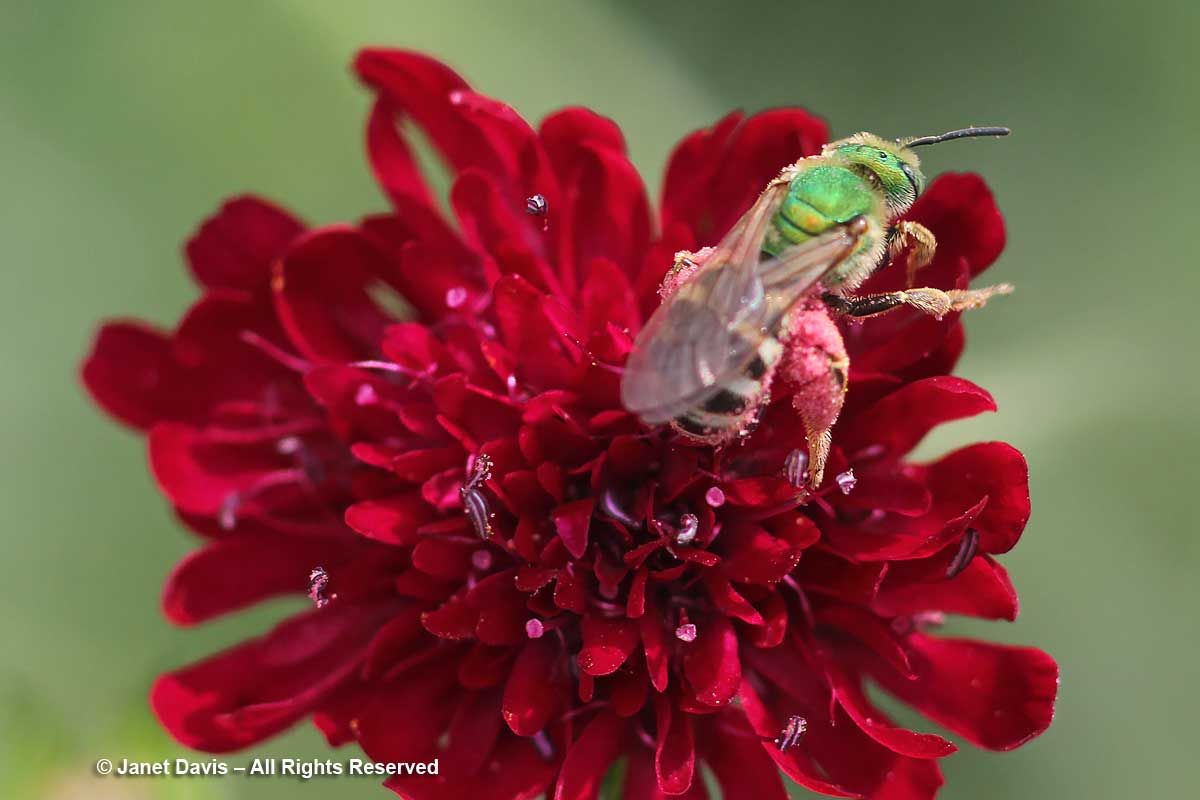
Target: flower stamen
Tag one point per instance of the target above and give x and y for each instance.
(967, 549)
(475, 504)
(793, 733)
(318, 580)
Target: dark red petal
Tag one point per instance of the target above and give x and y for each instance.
(910, 779)
(751, 554)
(198, 475)
(391, 158)
(873, 722)
(129, 374)
(607, 297)
(748, 159)
(419, 466)
(654, 642)
(741, 766)
(607, 643)
(629, 688)
(641, 780)
(887, 488)
(711, 662)
(336, 718)
(484, 666)
(607, 215)
(471, 131)
(870, 629)
(572, 522)
(434, 270)
(454, 619)
(589, 757)
(675, 758)
(690, 169)
(392, 520)
(406, 716)
(565, 133)
(572, 590)
(981, 590)
(473, 733)
(994, 470)
(422, 87)
(995, 696)
(897, 422)
(960, 210)
(796, 763)
(234, 249)
(826, 573)
(502, 612)
(775, 621)
(526, 329)
(492, 222)
(321, 290)
(530, 695)
(635, 605)
(261, 687)
(513, 770)
(728, 600)
(394, 641)
(237, 571)
(902, 538)
(213, 343)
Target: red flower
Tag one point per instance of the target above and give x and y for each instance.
(635, 597)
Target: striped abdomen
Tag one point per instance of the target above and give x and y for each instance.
(733, 409)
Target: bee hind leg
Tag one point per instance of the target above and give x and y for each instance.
(815, 369)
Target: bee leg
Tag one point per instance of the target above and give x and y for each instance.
(934, 302)
(682, 269)
(966, 299)
(905, 234)
(815, 368)
(818, 453)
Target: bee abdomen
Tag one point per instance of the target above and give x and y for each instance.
(732, 407)
(726, 401)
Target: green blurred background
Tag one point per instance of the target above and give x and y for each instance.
(122, 124)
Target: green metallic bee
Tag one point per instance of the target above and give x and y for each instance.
(759, 304)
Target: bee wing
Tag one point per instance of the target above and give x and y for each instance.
(710, 330)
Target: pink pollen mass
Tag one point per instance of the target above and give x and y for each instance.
(481, 559)
(715, 497)
(846, 481)
(534, 629)
(366, 395)
(456, 296)
(686, 632)
(288, 445)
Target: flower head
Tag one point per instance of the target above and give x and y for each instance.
(509, 572)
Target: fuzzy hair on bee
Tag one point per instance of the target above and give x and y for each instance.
(761, 305)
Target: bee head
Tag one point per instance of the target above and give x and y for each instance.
(892, 165)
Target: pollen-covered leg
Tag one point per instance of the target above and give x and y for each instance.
(907, 234)
(815, 369)
(934, 302)
(966, 299)
(684, 267)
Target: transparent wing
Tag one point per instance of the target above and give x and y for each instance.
(710, 330)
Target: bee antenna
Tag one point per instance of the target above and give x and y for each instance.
(961, 133)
